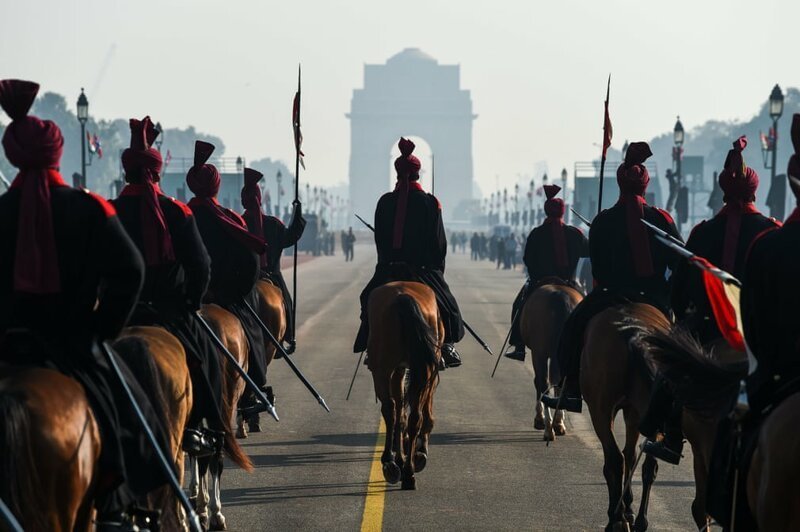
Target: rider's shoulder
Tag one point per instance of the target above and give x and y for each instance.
(434, 200)
(93, 201)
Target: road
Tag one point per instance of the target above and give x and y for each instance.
(488, 468)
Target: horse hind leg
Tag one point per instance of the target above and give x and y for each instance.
(409, 482)
(613, 466)
(559, 427)
(216, 520)
(201, 499)
(540, 386)
(421, 454)
(649, 472)
(391, 471)
(629, 455)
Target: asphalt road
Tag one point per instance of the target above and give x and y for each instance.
(488, 468)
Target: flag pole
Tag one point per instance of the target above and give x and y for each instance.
(433, 175)
(295, 128)
(606, 144)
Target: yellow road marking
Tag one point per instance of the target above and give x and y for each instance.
(372, 520)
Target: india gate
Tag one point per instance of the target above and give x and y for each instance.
(411, 95)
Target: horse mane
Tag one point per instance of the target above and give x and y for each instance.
(697, 375)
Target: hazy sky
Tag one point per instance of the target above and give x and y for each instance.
(536, 69)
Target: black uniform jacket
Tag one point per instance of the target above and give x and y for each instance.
(540, 255)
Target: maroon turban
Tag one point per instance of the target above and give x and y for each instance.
(34, 146)
(794, 161)
(407, 166)
(203, 179)
(738, 181)
(554, 209)
(251, 201)
(633, 177)
(142, 165)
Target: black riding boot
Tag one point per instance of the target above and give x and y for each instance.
(569, 399)
(670, 447)
(517, 352)
(450, 357)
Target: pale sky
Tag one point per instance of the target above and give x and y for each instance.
(536, 69)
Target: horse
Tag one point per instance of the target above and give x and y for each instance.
(404, 347)
(612, 379)
(204, 487)
(271, 311)
(541, 321)
(706, 378)
(158, 361)
(51, 446)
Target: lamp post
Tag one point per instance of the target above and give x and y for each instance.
(83, 117)
(775, 112)
(160, 137)
(239, 165)
(677, 155)
(279, 179)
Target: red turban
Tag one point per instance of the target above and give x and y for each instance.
(407, 165)
(34, 146)
(203, 179)
(142, 165)
(554, 209)
(738, 181)
(633, 177)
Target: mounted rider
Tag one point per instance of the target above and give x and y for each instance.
(724, 240)
(628, 266)
(234, 256)
(69, 279)
(177, 273)
(551, 255)
(411, 244)
(278, 237)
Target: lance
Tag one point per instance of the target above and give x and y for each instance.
(298, 139)
(478, 339)
(607, 132)
(433, 175)
(9, 521)
(194, 520)
(581, 218)
(286, 356)
(259, 393)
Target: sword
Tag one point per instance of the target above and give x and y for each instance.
(286, 357)
(584, 220)
(260, 395)
(194, 520)
(466, 325)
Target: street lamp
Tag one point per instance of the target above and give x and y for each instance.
(775, 112)
(239, 165)
(160, 137)
(83, 117)
(278, 179)
(677, 156)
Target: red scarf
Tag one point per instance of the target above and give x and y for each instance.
(402, 188)
(233, 224)
(559, 240)
(734, 211)
(157, 241)
(637, 234)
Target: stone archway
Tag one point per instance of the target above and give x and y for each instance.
(411, 95)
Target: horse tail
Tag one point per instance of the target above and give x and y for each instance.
(419, 340)
(18, 467)
(231, 444)
(681, 359)
(561, 306)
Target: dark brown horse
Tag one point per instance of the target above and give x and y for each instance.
(207, 472)
(707, 381)
(50, 445)
(158, 360)
(613, 380)
(541, 323)
(404, 349)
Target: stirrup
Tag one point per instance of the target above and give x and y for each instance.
(660, 450)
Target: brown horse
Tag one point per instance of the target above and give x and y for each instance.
(158, 360)
(50, 445)
(707, 380)
(404, 348)
(207, 472)
(541, 322)
(271, 310)
(613, 380)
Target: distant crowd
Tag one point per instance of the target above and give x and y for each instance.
(504, 251)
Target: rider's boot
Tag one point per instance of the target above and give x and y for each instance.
(517, 352)
(668, 449)
(201, 442)
(361, 338)
(569, 399)
(450, 357)
(115, 521)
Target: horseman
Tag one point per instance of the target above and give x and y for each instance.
(628, 265)
(411, 244)
(278, 237)
(69, 279)
(552, 252)
(769, 300)
(234, 257)
(724, 240)
(176, 278)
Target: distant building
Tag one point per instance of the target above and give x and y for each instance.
(411, 95)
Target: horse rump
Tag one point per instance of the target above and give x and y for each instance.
(420, 343)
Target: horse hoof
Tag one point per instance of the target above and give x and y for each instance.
(619, 526)
(560, 429)
(409, 483)
(254, 427)
(548, 435)
(217, 522)
(391, 472)
(538, 423)
(420, 461)
(203, 521)
(241, 433)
